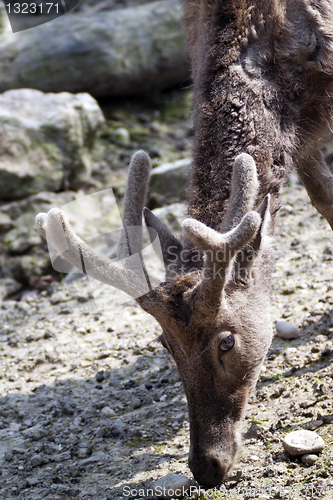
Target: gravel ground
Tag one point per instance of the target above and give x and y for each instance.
(90, 403)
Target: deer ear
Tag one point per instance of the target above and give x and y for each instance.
(246, 257)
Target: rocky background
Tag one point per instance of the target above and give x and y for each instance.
(89, 402)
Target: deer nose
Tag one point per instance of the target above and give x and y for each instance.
(209, 471)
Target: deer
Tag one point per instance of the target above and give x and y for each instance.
(262, 73)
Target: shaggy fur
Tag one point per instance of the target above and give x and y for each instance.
(262, 74)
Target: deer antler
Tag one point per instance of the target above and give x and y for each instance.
(128, 272)
(240, 223)
(220, 249)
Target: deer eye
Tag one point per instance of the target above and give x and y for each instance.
(227, 341)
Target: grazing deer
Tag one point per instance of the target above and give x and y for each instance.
(263, 80)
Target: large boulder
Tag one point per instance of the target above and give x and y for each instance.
(112, 53)
(168, 183)
(46, 141)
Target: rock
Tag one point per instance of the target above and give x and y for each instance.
(68, 409)
(309, 459)
(108, 412)
(172, 216)
(314, 424)
(287, 330)
(135, 403)
(102, 5)
(35, 433)
(122, 52)
(8, 456)
(37, 460)
(168, 183)
(46, 141)
(174, 486)
(100, 376)
(61, 457)
(96, 457)
(8, 286)
(303, 442)
(256, 431)
(118, 430)
(121, 136)
(32, 481)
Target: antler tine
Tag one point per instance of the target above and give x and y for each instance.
(135, 198)
(170, 246)
(55, 228)
(130, 276)
(220, 249)
(244, 189)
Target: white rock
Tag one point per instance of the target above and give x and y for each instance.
(136, 403)
(309, 459)
(46, 142)
(119, 54)
(302, 442)
(174, 486)
(107, 412)
(122, 135)
(287, 330)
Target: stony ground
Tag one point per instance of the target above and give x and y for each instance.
(91, 407)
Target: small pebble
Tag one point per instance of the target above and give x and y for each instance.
(302, 442)
(100, 377)
(122, 136)
(118, 429)
(314, 424)
(8, 456)
(309, 459)
(321, 338)
(38, 460)
(68, 409)
(136, 403)
(287, 330)
(107, 412)
(32, 481)
(173, 486)
(99, 387)
(130, 384)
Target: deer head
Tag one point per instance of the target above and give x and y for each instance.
(212, 307)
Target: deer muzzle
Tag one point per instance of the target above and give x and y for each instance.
(210, 464)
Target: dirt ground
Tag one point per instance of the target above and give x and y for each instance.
(90, 403)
